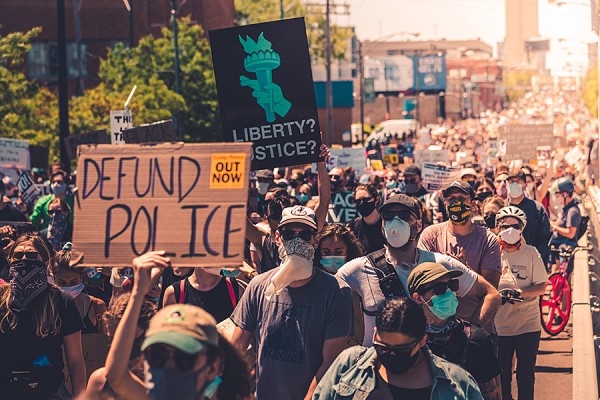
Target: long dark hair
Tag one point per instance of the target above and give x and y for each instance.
(353, 245)
(236, 384)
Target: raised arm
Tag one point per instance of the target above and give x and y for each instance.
(121, 380)
(254, 234)
(324, 185)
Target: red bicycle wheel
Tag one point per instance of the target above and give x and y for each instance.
(555, 305)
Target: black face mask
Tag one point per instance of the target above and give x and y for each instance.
(490, 220)
(397, 362)
(481, 196)
(365, 208)
(459, 212)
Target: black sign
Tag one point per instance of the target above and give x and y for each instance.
(161, 131)
(93, 137)
(266, 92)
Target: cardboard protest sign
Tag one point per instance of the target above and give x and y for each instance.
(119, 121)
(435, 177)
(14, 154)
(157, 132)
(186, 199)
(426, 156)
(93, 137)
(544, 154)
(342, 208)
(522, 140)
(28, 189)
(266, 93)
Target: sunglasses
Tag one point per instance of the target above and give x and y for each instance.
(364, 200)
(29, 255)
(411, 180)
(385, 349)
(157, 356)
(390, 215)
(442, 287)
(288, 234)
(507, 226)
(54, 212)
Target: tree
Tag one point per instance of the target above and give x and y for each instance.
(27, 110)
(150, 66)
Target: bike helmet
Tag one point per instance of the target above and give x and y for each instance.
(565, 184)
(511, 211)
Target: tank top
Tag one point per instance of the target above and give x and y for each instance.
(216, 301)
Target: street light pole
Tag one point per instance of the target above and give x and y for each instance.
(131, 38)
(176, 64)
(63, 84)
(361, 84)
(328, 85)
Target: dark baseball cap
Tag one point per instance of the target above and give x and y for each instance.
(394, 197)
(519, 175)
(428, 272)
(412, 170)
(460, 186)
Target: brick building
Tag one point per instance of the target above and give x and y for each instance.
(103, 23)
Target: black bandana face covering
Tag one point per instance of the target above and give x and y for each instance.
(28, 281)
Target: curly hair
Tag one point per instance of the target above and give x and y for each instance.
(117, 306)
(353, 245)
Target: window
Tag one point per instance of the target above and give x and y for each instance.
(42, 60)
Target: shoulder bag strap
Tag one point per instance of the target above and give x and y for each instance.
(231, 292)
(181, 291)
(389, 282)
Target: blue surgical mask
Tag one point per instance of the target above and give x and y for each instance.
(444, 306)
(230, 274)
(392, 184)
(212, 388)
(59, 188)
(515, 190)
(304, 198)
(331, 264)
(73, 291)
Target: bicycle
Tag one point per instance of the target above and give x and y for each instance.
(555, 303)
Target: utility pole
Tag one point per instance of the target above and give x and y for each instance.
(328, 84)
(361, 84)
(131, 37)
(63, 84)
(176, 64)
(80, 84)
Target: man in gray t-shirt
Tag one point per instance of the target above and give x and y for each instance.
(300, 316)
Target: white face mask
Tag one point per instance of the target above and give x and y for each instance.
(296, 264)
(262, 187)
(515, 190)
(510, 235)
(73, 291)
(397, 232)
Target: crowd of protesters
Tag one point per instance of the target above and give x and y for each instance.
(400, 301)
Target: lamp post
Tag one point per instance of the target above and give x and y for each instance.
(176, 64)
(63, 84)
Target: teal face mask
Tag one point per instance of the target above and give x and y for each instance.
(444, 306)
(304, 198)
(230, 274)
(333, 263)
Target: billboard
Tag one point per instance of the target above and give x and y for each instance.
(430, 72)
(402, 73)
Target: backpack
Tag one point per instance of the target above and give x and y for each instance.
(389, 282)
(583, 227)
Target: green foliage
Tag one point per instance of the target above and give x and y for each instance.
(150, 65)
(590, 90)
(255, 11)
(27, 111)
(518, 82)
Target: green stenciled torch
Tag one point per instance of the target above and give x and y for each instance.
(262, 60)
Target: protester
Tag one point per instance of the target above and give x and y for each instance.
(490, 208)
(69, 278)
(97, 384)
(60, 190)
(207, 288)
(518, 324)
(566, 227)
(367, 227)
(459, 237)
(398, 366)
(169, 276)
(8, 212)
(336, 245)
(413, 182)
(537, 232)
(186, 356)
(449, 337)
(299, 315)
(500, 185)
(39, 325)
(384, 273)
(60, 229)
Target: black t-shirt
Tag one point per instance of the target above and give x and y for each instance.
(370, 236)
(20, 347)
(10, 213)
(399, 393)
(481, 360)
(216, 301)
(270, 255)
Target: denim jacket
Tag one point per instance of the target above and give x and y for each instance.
(353, 376)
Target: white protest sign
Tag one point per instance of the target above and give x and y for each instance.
(119, 121)
(14, 153)
(28, 189)
(429, 156)
(574, 156)
(349, 157)
(436, 177)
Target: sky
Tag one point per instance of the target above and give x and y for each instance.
(471, 19)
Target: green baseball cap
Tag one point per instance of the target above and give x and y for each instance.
(186, 327)
(428, 272)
